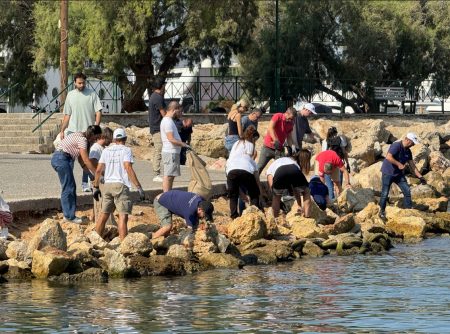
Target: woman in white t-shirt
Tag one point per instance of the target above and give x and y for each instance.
(286, 174)
(242, 172)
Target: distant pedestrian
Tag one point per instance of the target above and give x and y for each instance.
(185, 129)
(302, 127)
(329, 163)
(82, 108)
(285, 174)
(156, 112)
(278, 132)
(171, 146)
(73, 147)
(393, 171)
(116, 164)
(234, 123)
(251, 119)
(187, 205)
(339, 145)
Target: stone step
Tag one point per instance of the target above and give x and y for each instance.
(27, 133)
(22, 140)
(27, 121)
(26, 128)
(20, 148)
(27, 115)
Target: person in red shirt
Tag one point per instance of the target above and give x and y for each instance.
(329, 162)
(279, 131)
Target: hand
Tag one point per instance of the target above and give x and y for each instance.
(277, 145)
(348, 185)
(348, 168)
(401, 166)
(97, 194)
(61, 135)
(422, 180)
(141, 193)
(187, 147)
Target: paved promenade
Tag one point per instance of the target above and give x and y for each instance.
(28, 182)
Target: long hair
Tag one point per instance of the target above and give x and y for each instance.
(303, 158)
(332, 132)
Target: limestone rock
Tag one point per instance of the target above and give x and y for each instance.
(342, 225)
(268, 251)
(311, 249)
(369, 221)
(3, 247)
(143, 228)
(306, 228)
(320, 216)
(18, 250)
(222, 243)
(438, 162)
(18, 270)
(363, 151)
(422, 191)
(370, 178)
(250, 226)
(208, 139)
(351, 200)
(49, 234)
(49, 261)
(157, 265)
(439, 181)
(96, 240)
(221, 260)
(89, 275)
(114, 243)
(179, 251)
(406, 227)
(420, 154)
(135, 243)
(441, 222)
(204, 242)
(115, 263)
(346, 241)
(431, 204)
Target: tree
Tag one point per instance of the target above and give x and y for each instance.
(145, 37)
(16, 41)
(350, 44)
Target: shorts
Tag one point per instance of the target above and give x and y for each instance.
(116, 196)
(334, 173)
(164, 215)
(289, 177)
(171, 164)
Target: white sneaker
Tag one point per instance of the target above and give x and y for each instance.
(157, 178)
(85, 187)
(76, 220)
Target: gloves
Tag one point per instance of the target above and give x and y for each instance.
(97, 194)
(422, 180)
(277, 145)
(141, 193)
(348, 169)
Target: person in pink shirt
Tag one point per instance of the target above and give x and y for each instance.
(278, 132)
(328, 162)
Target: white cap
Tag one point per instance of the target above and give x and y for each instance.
(119, 133)
(412, 136)
(310, 107)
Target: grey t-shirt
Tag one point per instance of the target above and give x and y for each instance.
(81, 106)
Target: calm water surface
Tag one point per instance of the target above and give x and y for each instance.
(406, 291)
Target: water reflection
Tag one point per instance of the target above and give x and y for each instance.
(404, 291)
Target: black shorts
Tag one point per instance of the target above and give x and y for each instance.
(289, 177)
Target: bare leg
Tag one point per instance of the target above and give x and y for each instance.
(123, 230)
(276, 199)
(100, 223)
(167, 183)
(163, 231)
(306, 204)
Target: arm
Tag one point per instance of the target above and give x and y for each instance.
(172, 139)
(414, 169)
(162, 111)
(98, 117)
(64, 125)
(391, 159)
(270, 180)
(85, 162)
(98, 174)
(346, 176)
(271, 130)
(290, 139)
(131, 174)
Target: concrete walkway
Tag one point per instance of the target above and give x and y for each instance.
(28, 182)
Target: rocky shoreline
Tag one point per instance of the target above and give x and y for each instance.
(59, 251)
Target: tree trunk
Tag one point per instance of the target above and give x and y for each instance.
(132, 93)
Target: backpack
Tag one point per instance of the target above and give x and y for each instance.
(334, 144)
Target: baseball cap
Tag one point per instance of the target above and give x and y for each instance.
(310, 107)
(208, 208)
(119, 133)
(413, 137)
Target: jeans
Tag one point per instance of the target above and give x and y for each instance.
(62, 163)
(86, 177)
(229, 142)
(265, 156)
(399, 180)
(330, 185)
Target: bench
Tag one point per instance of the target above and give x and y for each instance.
(385, 94)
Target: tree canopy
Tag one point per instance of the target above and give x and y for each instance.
(143, 37)
(351, 44)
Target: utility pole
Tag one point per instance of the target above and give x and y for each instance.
(64, 39)
(277, 55)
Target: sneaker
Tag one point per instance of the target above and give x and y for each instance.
(85, 187)
(382, 215)
(76, 220)
(157, 178)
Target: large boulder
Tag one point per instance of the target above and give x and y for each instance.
(220, 260)
(3, 248)
(158, 265)
(406, 227)
(370, 178)
(312, 250)
(421, 154)
(96, 240)
(49, 261)
(89, 275)
(49, 234)
(423, 191)
(431, 204)
(319, 215)
(18, 250)
(438, 162)
(268, 251)
(18, 270)
(439, 181)
(351, 200)
(306, 228)
(369, 221)
(115, 263)
(342, 225)
(247, 228)
(363, 151)
(135, 243)
(208, 140)
(179, 251)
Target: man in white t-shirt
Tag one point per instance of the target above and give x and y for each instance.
(171, 146)
(116, 165)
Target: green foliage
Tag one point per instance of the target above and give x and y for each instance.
(145, 37)
(350, 44)
(16, 40)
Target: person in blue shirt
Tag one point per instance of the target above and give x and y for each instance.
(319, 192)
(187, 205)
(393, 171)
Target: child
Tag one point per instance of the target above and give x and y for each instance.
(319, 192)
(94, 156)
(5, 218)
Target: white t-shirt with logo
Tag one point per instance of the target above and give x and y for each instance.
(168, 125)
(113, 157)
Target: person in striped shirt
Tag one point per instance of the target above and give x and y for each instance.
(73, 147)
